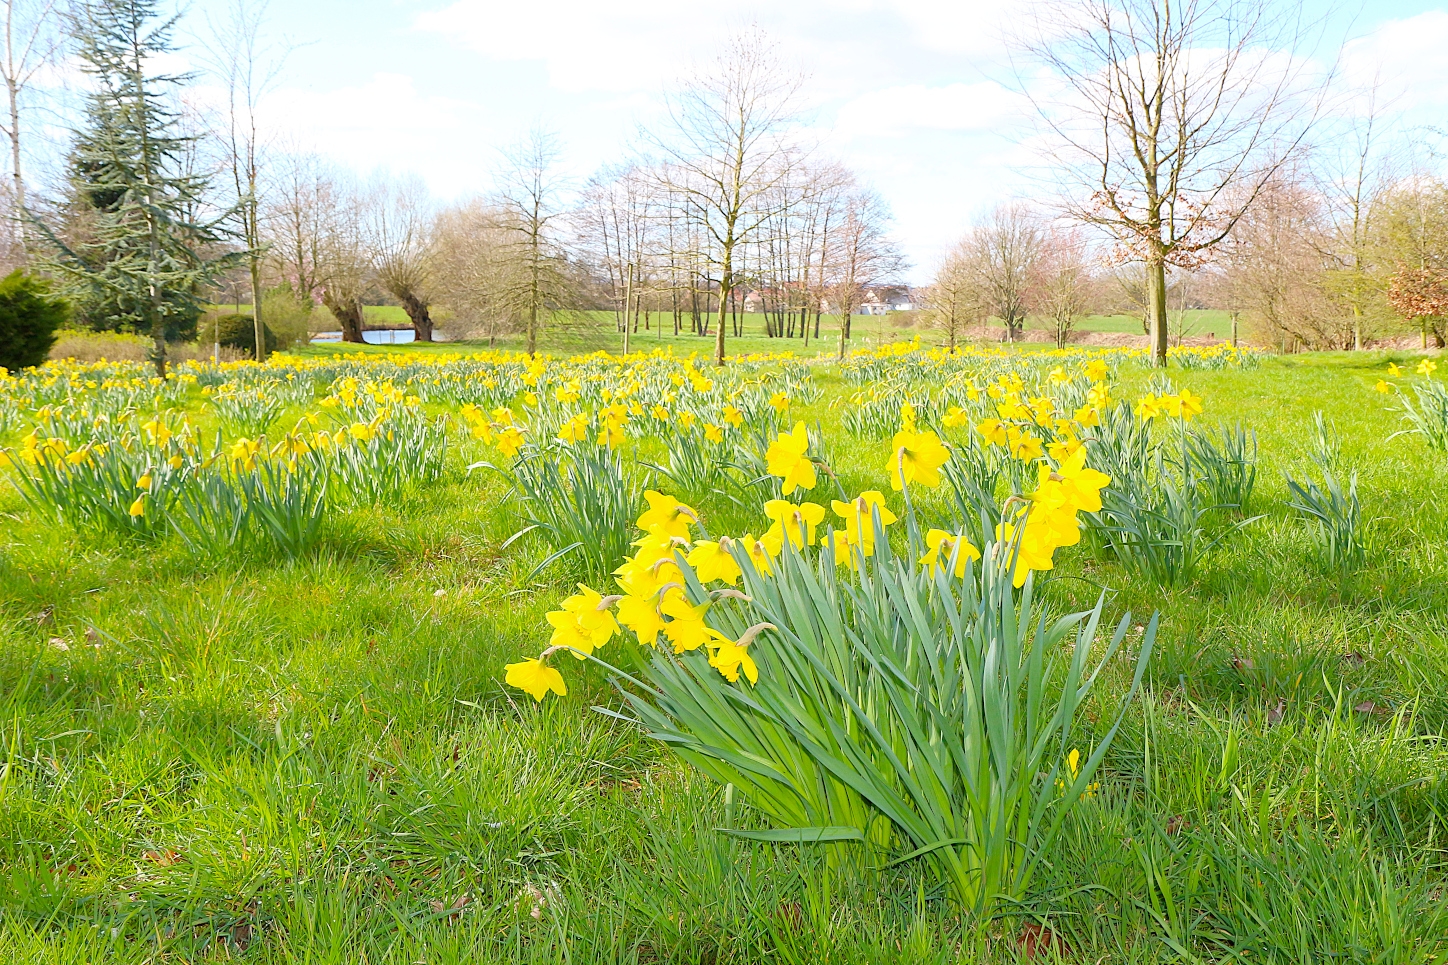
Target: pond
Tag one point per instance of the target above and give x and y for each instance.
(398, 336)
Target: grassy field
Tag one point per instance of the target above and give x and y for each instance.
(242, 758)
(594, 331)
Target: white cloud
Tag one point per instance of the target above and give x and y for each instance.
(1407, 59)
(949, 107)
(912, 94)
(388, 123)
(586, 45)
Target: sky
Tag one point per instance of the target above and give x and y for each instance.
(919, 97)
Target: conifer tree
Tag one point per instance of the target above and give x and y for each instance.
(145, 254)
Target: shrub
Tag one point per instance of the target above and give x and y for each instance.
(288, 317)
(87, 346)
(29, 318)
(236, 331)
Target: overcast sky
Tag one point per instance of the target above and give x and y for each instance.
(917, 96)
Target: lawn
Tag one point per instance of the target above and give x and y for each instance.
(237, 756)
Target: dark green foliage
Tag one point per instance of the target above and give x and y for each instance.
(237, 331)
(29, 317)
(133, 246)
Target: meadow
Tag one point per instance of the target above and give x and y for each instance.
(252, 680)
(595, 331)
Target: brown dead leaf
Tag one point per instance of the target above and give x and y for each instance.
(790, 913)
(241, 934)
(1242, 663)
(1274, 716)
(164, 858)
(453, 910)
(1177, 824)
(1354, 658)
(1040, 940)
(1368, 707)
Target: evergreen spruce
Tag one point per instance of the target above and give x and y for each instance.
(139, 254)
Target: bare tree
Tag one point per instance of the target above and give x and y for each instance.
(34, 39)
(1178, 113)
(953, 301)
(248, 68)
(1065, 287)
(398, 226)
(530, 190)
(616, 226)
(300, 191)
(473, 267)
(726, 142)
(1009, 245)
(343, 264)
(862, 256)
(315, 239)
(1352, 177)
(1274, 263)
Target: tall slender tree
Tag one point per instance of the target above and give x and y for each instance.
(34, 39)
(1172, 117)
(144, 262)
(727, 144)
(529, 191)
(248, 68)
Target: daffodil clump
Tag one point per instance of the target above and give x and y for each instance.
(149, 475)
(1426, 410)
(805, 661)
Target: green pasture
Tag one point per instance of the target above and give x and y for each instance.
(572, 332)
(317, 762)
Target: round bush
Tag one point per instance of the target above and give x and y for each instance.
(29, 317)
(236, 331)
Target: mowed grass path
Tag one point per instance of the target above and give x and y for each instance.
(317, 762)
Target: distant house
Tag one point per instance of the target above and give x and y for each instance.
(882, 301)
(872, 305)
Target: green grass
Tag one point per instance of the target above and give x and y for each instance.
(317, 762)
(576, 332)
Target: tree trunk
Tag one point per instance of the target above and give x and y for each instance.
(348, 312)
(255, 267)
(1156, 304)
(844, 328)
(416, 310)
(14, 93)
(723, 314)
(627, 302)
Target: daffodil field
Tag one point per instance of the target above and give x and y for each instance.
(985, 656)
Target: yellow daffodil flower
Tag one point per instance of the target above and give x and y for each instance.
(916, 457)
(797, 522)
(859, 516)
(535, 678)
(713, 561)
(787, 458)
(942, 547)
(993, 431)
(667, 515)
